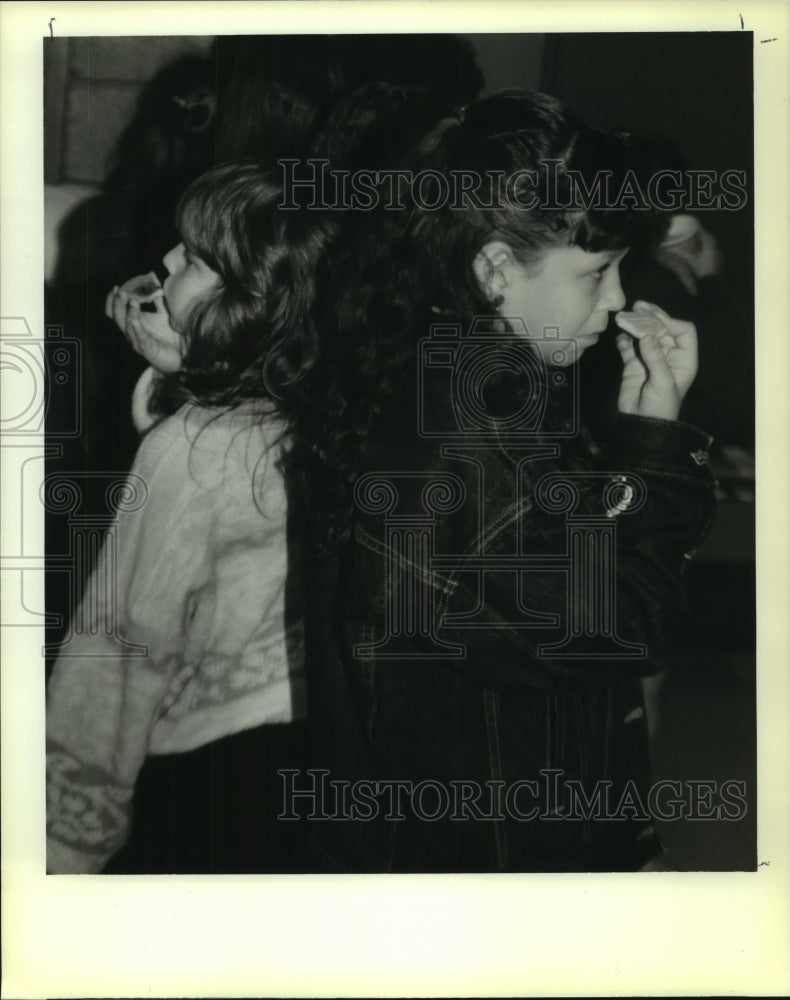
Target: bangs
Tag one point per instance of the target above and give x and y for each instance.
(199, 220)
(618, 229)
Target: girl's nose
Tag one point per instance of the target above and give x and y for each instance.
(613, 297)
(171, 258)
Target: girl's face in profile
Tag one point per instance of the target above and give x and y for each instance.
(189, 281)
(568, 289)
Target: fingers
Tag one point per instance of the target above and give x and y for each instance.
(141, 286)
(146, 325)
(674, 327)
(679, 342)
(158, 301)
(640, 324)
(652, 355)
(659, 356)
(153, 337)
(677, 337)
(136, 290)
(120, 309)
(135, 333)
(148, 331)
(115, 306)
(144, 341)
(650, 308)
(625, 345)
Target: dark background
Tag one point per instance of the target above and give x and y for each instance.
(695, 88)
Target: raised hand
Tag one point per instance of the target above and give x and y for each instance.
(149, 332)
(659, 361)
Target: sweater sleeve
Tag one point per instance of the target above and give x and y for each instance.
(103, 697)
(144, 415)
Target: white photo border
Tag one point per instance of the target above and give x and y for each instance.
(663, 933)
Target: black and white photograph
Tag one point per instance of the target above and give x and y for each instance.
(389, 417)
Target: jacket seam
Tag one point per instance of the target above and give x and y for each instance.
(436, 580)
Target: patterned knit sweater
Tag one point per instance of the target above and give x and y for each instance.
(183, 636)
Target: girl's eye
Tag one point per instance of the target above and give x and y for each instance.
(598, 275)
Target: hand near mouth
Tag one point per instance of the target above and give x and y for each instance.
(149, 332)
(659, 361)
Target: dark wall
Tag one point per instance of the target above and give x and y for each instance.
(694, 87)
(510, 62)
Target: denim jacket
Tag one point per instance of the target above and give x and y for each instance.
(475, 654)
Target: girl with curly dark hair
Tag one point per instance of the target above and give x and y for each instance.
(488, 584)
(186, 646)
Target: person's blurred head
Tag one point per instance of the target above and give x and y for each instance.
(170, 139)
(271, 88)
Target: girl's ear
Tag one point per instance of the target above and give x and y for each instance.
(491, 267)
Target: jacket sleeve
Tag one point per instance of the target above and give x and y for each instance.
(582, 590)
(103, 697)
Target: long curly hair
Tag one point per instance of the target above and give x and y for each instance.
(238, 346)
(390, 274)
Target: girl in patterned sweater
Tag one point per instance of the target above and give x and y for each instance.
(190, 637)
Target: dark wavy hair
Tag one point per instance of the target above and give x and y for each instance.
(392, 273)
(270, 88)
(237, 336)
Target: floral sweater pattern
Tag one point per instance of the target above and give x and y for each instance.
(185, 634)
